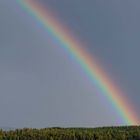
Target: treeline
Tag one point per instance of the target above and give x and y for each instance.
(104, 133)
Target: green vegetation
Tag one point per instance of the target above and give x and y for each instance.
(104, 133)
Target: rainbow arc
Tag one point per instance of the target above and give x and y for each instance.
(88, 64)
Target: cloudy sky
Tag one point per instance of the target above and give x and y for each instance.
(40, 87)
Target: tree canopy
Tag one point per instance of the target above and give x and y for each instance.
(56, 133)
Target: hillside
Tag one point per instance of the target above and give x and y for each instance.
(104, 133)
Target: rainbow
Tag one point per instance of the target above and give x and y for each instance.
(89, 64)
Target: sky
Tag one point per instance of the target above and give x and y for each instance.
(40, 87)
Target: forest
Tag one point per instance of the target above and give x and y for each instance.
(56, 133)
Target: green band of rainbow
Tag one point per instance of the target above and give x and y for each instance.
(89, 64)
